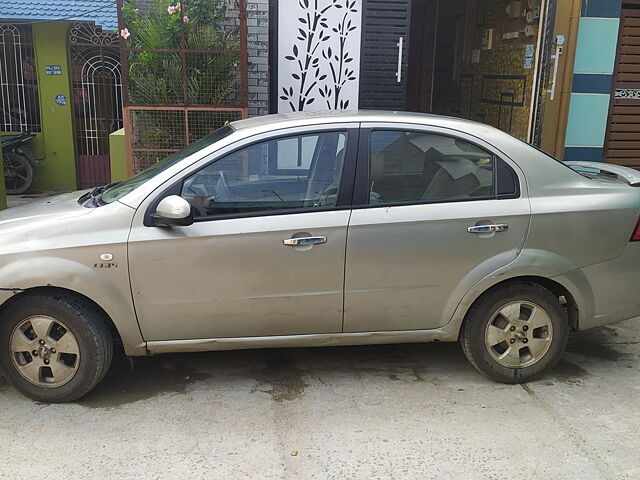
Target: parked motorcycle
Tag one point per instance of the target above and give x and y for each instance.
(18, 162)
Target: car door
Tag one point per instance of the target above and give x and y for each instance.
(434, 212)
(265, 255)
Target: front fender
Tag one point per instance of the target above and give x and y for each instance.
(108, 287)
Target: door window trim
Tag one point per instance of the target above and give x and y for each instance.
(361, 191)
(345, 192)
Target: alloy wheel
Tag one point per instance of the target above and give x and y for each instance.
(519, 334)
(44, 351)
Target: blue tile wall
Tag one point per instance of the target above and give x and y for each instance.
(601, 8)
(592, 83)
(597, 42)
(587, 120)
(583, 154)
(592, 80)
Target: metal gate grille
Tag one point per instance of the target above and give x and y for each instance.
(186, 82)
(97, 99)
(18, 81)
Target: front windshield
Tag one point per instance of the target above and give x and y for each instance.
(119, 190)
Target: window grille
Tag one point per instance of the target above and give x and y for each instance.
(19, 108)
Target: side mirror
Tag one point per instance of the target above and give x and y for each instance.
(172, 211)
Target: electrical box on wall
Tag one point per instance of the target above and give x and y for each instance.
(514, 9)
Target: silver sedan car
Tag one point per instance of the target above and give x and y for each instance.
(300, 230)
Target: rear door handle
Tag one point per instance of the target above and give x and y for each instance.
(302, 241)
(492, 228)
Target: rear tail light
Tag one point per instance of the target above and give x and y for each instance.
(636, 233)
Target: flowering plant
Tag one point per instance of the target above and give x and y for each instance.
(160, 29)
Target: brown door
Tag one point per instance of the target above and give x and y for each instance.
(622, 144)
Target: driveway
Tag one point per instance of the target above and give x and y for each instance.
(395, 411)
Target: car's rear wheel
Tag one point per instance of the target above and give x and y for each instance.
(514, 333)
(54, 348)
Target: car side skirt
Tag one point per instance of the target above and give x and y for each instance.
(308, 340)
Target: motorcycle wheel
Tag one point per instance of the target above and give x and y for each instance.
(18, 173)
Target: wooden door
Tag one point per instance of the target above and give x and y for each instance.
(622, 144)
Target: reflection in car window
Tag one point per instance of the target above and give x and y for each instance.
(121, 189)
(288, 173)
(414, 167)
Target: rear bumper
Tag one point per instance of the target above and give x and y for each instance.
(606, 292)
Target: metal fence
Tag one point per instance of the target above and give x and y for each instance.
(184, 73)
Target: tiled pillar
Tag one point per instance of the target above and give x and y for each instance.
(592, 79)
(258, 46)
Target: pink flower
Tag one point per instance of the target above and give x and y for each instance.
(171, 9)
(178, 6)
(124, 33)
(185, 19)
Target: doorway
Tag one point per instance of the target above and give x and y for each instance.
(97, 100)
(482, 60)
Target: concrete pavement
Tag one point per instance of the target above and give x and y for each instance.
(396, 411)
(17, 200)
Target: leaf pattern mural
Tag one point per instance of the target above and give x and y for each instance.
(319, 48)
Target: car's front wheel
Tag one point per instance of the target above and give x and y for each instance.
(54, 348)
(514, 333)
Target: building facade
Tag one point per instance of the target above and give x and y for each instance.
(61, 79)
(561, 74)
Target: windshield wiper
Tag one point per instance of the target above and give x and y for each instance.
(95, 194)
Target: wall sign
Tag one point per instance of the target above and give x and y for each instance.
(53, 69)
(319, 55)
(61, 100)
(529, 52)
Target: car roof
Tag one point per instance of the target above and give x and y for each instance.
(504, 142)
(269, 122)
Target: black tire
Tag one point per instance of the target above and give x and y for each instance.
(486, 309)
(92, 335)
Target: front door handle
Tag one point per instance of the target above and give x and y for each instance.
(491, 228)
(302, 241)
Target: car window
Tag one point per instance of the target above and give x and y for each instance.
(296, 172)
(414, 167)
(119, 190)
